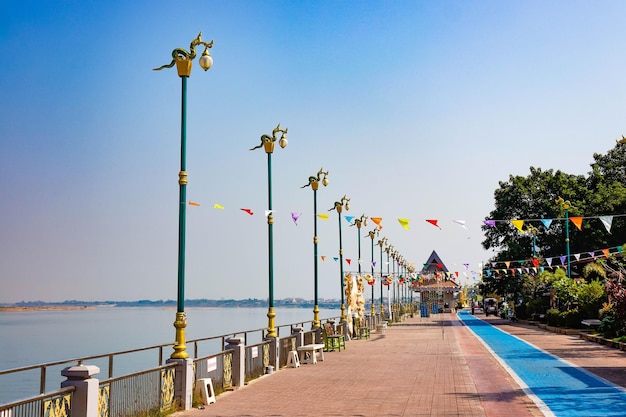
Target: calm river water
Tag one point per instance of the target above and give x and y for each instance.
(34, 337)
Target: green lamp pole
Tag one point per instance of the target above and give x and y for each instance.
(314, 182)
(361, 221)
(381, 243)
(339, 205)
(183, 61)
(566, 205)
(373, 234)
(389, 250)
(267, 142)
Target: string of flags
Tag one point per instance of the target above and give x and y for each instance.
(607, 221)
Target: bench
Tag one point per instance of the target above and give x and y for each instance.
(591, 322)
(308, 353)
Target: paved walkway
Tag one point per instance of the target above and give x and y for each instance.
(422, 367)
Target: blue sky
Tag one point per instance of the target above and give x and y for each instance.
(416, 108)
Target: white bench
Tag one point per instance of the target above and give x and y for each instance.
(591, 322)
(308, 353)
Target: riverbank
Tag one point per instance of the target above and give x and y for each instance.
(44, 308)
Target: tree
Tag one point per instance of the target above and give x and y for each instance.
(532, 198)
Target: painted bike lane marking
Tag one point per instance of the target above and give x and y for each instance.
(557, 387)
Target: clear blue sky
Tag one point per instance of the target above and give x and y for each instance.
(417, 108)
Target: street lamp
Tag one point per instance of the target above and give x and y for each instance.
(381, 243)
(267, 142)
(566, 205)
(339, 205)
(183, 61)
(373, 234)
(361, 221)
(389, 250)
(314, 182)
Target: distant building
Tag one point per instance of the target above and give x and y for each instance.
(437, 290)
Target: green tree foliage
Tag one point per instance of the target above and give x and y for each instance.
(532, 198)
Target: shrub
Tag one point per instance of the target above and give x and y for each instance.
(570, 319)
(553, 317)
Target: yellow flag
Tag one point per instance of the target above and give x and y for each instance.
(217, 206)
(518, 224)
(404, 223)
(323, 216)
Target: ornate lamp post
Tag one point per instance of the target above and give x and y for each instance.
(389, 250)
(267, 142)
(339, 205)
(566, 205)
(381, 243)
(314, 182)
(373, 234)
(533, 231)
(183, 61)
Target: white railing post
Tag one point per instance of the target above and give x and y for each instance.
(183, 382)
(85, 398)
(239, 360)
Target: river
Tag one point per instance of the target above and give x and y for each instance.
(35, 337)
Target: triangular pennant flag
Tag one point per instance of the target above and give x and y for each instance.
(373, 264)
(335, 259)
(247, 211)
(507, 263)
(268, 212)
(404, 223)
(323, 216)
(563, 258)
(535, 262)
(607, 221)
(433, 222)
(605, 252)
(577, 256)
(578, 222)
(348, 261)
(323, 258)
(377, 220)
(518, 224)
(349, 218)
(490, 223)
(546, 222)
(461, 223)
(549, 261)
(294, 217)
(193, 203)
(217, 206)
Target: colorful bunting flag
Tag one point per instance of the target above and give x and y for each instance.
(323, 258)
(519, 224)
(268, 212)
(546, 222)
(193, 203)
(323, 216)
(578, 222)
(217, 206)
(247, 211)
(404, 223)
(377, 220)
(349, 218)
(294, 217)
(348, 261)
(461, 223)
(607, 221)
(490, 223)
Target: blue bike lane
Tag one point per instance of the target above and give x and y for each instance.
(557, 387)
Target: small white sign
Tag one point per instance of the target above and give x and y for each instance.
(255, 352)
(211, 364)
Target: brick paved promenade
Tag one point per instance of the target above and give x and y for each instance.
(422, 367)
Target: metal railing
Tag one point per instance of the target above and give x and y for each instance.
(218, 367)
(128, 386)
(53, 404)
(151, 390)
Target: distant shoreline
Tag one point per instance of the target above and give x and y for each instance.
(44, 308)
